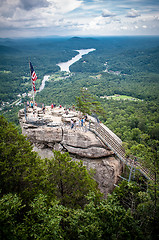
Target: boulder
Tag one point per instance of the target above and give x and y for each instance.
(51, 133)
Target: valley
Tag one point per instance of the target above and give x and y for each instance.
(116, 86)
(119, 68)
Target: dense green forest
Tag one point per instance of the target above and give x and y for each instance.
(58, 199)
(119, 66)
(136, 58)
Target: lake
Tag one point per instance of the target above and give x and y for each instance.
(64, 66)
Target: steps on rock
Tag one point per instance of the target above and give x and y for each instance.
(115, 144)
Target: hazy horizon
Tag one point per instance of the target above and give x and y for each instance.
(82, 37)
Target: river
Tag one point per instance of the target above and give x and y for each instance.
(64, 66)
(46, 77)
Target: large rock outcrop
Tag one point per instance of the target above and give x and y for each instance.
(52, 131)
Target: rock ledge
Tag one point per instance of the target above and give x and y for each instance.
(52, 130)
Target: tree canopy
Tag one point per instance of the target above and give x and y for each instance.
(58, 199)
(88, 104)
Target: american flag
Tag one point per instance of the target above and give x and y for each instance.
(33, 76)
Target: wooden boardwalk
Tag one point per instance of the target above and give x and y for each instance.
(115, 144)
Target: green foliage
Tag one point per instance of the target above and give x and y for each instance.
(11, 114)
(106, 220)
(18, 163)
(48, 220)
(128, 195)
(136, 59)
(17, 85)
(148, 219)
(133, 122)
(23, 172)
(10, 209)
(30, 187)
(43, 219)
(71, 179)
(144, 208)
(87, 104)
(131, 212)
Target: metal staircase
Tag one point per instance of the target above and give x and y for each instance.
(109, 139)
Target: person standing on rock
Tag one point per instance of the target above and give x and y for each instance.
(85, 117)
(31, 104)
(82, 122)
(77, 123)
(72, 123)
(28, 104)
(85, 126)
(43, 108)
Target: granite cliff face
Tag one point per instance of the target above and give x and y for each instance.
(52, 130)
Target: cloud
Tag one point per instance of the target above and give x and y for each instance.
(31, 4)
(124, 27)
(107, 13)
(66, 5)
(133, 13)
(38, 17)
(9, 8)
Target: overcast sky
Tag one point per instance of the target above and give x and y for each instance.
(31, 18)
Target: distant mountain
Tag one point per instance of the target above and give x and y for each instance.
(8, 50)
(73, 43)
(80, 39)
(78, 42)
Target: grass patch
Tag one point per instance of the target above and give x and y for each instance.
(121, 97)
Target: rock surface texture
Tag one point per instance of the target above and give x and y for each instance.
(52, 130)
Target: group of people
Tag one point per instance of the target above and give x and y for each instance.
(79, 123)
(74, 123)
(53, 106)
(31, 104)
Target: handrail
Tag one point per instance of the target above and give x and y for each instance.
(117, 148)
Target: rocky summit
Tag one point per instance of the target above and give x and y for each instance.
(61, 129)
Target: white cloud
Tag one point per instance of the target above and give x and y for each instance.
(107, 13)
(124, 27)
(64, 6)
(40, 15)
(133, 13)
(77, 17)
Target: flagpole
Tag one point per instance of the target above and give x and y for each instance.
(33, 97)
(32, 84)
(31, 77)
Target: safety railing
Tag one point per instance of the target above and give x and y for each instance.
(108, 139)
